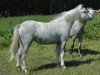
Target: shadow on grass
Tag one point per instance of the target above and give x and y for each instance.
(75, 63)
(46, 66)
(86, 51)
(72, 63)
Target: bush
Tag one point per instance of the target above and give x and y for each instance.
(4, 42)
(92, 28)
(5, 39)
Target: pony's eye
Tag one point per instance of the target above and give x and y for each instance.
(87, 11)
(84, 12)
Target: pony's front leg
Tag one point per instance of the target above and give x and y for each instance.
(72, 46)
(79, 46)
(63, 44)
(58, 48)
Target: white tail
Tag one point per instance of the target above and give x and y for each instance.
(15, 43)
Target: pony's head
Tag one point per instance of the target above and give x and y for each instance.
(83, 13)
(91, 12)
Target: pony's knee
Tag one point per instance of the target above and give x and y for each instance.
(62, 53)
(79, 46)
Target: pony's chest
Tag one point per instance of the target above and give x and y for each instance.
(76, 29)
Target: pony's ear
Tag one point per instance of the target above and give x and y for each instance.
(95, 11)
(80, 6)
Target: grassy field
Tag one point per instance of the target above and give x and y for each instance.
(40, 59)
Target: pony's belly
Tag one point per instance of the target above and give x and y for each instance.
(52, 40)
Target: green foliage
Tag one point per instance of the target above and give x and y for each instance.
(92, 28)
(4, 42)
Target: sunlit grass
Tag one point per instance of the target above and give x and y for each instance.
(41, 60)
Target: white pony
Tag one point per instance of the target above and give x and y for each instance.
(56, 32)
(77, 29)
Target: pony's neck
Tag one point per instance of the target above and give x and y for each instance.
(72, 15)
(81, 22)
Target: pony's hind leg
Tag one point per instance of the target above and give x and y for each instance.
(23, 55)
(26, 42)
(23, 63)
(18, 59)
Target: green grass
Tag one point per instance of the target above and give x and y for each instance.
(40, 59)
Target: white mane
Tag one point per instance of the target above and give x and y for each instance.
(65, 12)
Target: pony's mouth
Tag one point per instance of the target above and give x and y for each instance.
(90, 18)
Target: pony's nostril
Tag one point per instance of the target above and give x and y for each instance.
(90, 18)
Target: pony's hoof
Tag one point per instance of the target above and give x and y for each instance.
(64, 67)
(57, 64)
(18, 68)
(27, 72)
(81, 55)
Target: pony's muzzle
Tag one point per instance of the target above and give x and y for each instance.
(91, 18)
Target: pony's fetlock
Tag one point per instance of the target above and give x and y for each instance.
(18, 67)
(58, 64)
(81, 55)
(25, 71)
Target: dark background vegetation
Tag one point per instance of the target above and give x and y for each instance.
(31, 7)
